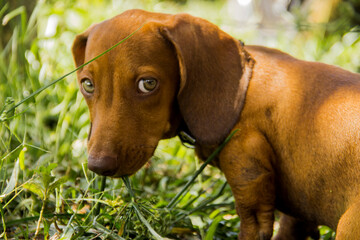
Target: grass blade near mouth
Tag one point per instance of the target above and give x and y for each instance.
(173, 202)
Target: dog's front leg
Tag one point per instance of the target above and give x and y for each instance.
(246, 163)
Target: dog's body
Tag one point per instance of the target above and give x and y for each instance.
(299, 129)
(298, 148)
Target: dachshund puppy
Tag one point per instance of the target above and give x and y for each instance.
(298, 145)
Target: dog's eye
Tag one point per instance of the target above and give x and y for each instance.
(147, 85)
(87, 85)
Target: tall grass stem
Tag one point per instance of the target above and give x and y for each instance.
(137, 210)
(211, 157)
(73, 71)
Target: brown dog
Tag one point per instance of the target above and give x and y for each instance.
(298, 148)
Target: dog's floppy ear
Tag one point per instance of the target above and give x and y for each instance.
(211, 66)
(79, 45)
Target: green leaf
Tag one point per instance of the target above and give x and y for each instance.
(46, 174)
(12, 14)
(212, 229)
(109, 234)
(51, 167)
(145, 222)
(35, 188)
(69, 231)
(3, 9)
(12, 181)
(22, 158)
(57, 183)
(9, 103)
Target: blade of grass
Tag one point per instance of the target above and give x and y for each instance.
(102, 188)
(173, 202)
(20, 10)
(126, 181)
(212, 229)
(83, 167)
(34, 218)
(204, 203)
(17, 192)
(145, 222)
(44, 203)
(68, 74)
(3, 222)
(13, 151)
(68, 227)
(188, 204)
(109, 233)
(137, 210)
(3, 9)
(12, 181)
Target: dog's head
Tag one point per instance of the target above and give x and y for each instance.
(175, 69)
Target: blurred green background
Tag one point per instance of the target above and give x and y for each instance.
(46, 191)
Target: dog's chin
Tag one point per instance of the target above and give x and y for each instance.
(119, 172)
(123, 173)
(131, 166)
(125, 163)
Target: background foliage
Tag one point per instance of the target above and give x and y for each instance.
(46, 190)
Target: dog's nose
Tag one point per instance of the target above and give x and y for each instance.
(105, 166)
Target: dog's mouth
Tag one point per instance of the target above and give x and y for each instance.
(125, 163)
(105, 165)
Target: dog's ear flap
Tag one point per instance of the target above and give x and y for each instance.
(79, 46)
(211, 66)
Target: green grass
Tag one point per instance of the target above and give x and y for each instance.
(45, 187)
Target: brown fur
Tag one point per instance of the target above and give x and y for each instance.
(298, 148)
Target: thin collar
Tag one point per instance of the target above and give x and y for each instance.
(185, 136)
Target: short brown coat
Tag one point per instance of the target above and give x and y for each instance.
(298, 148)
